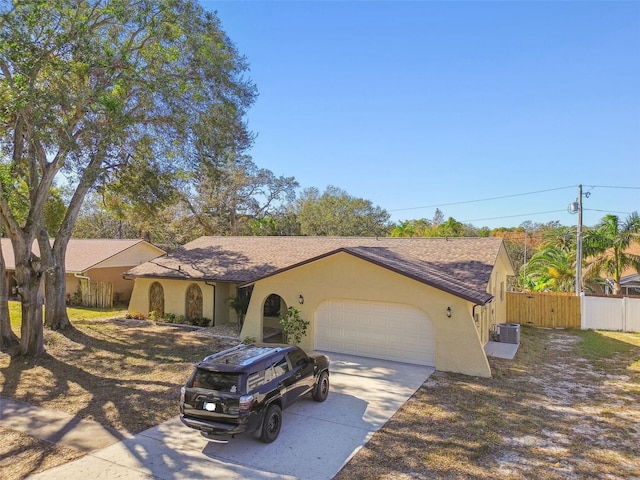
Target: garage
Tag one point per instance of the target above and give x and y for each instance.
(388, 331)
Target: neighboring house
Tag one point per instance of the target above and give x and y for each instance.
(629, 285)
(429, 301)
(95, 260)
(629, 280)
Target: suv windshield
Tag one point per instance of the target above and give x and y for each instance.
(222, 382)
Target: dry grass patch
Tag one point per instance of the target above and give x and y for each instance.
(568, 406)
(22, 455)
(125, 374)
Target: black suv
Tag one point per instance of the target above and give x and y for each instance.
(245, 389)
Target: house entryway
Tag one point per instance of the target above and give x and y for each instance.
(389, 331)
(271, 311)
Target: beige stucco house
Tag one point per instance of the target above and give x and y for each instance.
(95, 260)
(430, 301)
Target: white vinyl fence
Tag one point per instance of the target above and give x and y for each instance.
(611, 313)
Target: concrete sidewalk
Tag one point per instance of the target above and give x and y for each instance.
(56, 427)
(316, 441)
(501, 349)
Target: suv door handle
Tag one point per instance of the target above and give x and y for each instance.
(298, 375)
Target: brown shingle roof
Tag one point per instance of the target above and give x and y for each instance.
(82, 254)
(461, 266)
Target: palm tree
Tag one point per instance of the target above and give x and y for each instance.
(552, 269)
(606, 247)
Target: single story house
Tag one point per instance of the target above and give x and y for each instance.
(429, 301)
(629, 285)
(629, 278)
(95, 260)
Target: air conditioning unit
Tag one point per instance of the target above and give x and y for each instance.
(509, 332)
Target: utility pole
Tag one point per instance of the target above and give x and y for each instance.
(579, 245)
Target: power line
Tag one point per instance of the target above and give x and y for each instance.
(609, 186)
(539, 213)
(512, 216)
(606, 211)
(485, 200)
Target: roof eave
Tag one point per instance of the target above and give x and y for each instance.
(480, 299)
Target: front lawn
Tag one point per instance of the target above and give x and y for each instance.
(568, 406)
(74, 313)
(125, 374)
(107, 370)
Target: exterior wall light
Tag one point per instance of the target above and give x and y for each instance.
(449, 312)
(300, 299)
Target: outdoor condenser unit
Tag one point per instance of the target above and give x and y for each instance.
(509, 332)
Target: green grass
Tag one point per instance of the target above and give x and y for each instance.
(16, 315)
(595, 346)
(603, 348)
(75, 314)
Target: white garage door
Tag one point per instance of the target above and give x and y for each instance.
(372, 329)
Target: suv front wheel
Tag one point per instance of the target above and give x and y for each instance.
(321, 391)
(271, 424)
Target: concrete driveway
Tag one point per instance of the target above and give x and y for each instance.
(315, 442)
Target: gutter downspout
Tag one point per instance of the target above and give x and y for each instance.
(473, 311)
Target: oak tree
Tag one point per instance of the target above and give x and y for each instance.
(90, 88)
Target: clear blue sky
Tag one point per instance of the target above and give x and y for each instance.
(425, 104)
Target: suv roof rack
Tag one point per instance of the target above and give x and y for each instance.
(243, 354)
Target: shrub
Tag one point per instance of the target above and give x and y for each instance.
(293, 326)
(200, 321)
(249, 340)
(75, 299)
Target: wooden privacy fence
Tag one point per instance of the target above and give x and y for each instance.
(548, 310)
(96, 294)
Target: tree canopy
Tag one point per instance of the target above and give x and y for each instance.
(606, 246)
(112, 93)
(336, 213)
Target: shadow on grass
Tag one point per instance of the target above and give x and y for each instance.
(124, 376)
(108, 373)
(610, 350)
(549, 413)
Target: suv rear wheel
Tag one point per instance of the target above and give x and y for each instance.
(271, 424)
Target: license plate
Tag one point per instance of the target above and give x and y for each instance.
(209, 406)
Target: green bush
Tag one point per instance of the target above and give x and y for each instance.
(293, 326)
(201, 322)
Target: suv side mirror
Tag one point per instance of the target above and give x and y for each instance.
(306, 361)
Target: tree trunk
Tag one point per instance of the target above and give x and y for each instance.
(7, 337)
(55, 312)
(56, 317)
(55, 256)
(616, 286)
(31, 332)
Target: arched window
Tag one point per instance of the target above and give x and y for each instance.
(156, 299)
(193, 302)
